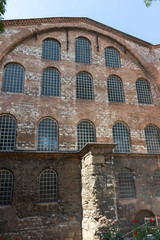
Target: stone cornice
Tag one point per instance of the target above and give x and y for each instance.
(97, 149)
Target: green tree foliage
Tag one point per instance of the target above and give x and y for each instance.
(148, 2)
(2, 11)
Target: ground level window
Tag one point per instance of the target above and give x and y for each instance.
(48, 186)
(6, 183)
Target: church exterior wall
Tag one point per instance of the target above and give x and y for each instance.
(88, 187)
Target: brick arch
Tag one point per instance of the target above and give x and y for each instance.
(144, 213)
(81, 24)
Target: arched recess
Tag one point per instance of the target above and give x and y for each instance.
(142, 214)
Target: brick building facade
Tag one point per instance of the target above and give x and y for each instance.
(65, 82)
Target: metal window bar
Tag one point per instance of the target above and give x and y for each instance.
(83, 50)
(13, 80)
(7, 133)
(47, 135)
(121, 136)
(85, 133)
(84, 86)
(48, 186)
(112, 58)
(152, 139)
(144, 92)
(6, 184)
(51, 50)
(51, 82)
(115, 89)
(156, 179)
(126, 185)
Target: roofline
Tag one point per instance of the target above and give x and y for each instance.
(22, 22)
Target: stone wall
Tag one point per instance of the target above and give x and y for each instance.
(142, 166)
(30, 219)
(100, 189)
(88, 190)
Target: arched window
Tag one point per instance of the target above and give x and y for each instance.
(126, 184)
(51, 82)
(48, 186)
(144, 92)
(47, 135)
(51, 50)
(6, 185)
(115, 89)
(83, 50)
(13, 80)
(152, 139)
(156, 179)
(121, 136)
(85, 133)
(112, 58)
(84, 86)
(7, 133)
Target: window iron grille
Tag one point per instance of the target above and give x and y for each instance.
(85, 133)
(51, 82)
(83, 50)
(47, 135)
(48, 186)
(112, 58)
(84, 85)
(51, 50)
(6, 184)
(13, 80)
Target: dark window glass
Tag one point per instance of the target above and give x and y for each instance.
(85, 133)
(121, 136)
(144, 92)
(48, 186)
(84, 86)
(152, 139)
(47, 135)
(83, 50)
(51, 82)
(115, 89)
(112, 58)
(156, 179)
(6, 184)
(13, 80)
(7, 133)
(126, 185)
(51, 50)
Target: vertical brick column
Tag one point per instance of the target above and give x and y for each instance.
(98, 188)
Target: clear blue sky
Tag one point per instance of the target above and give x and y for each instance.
(129, 16)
